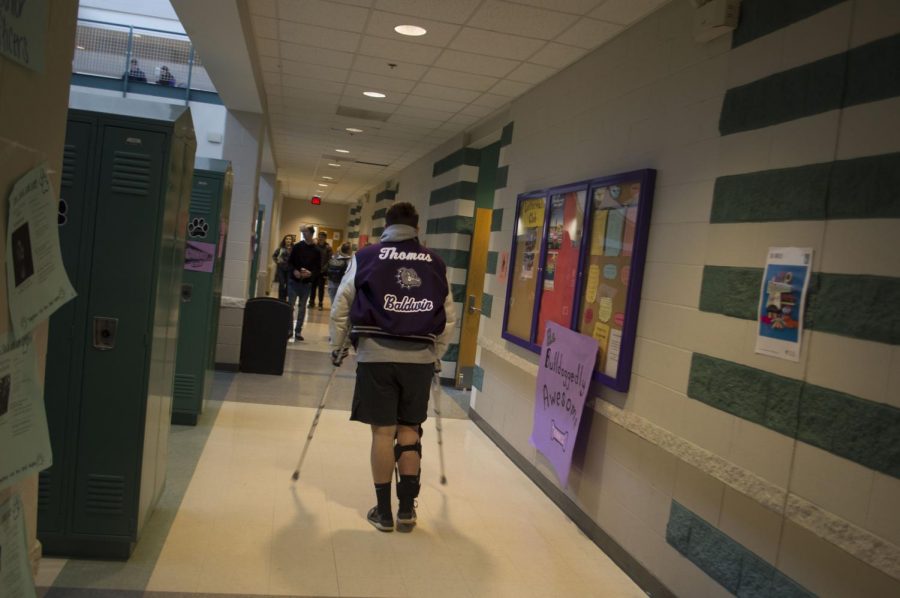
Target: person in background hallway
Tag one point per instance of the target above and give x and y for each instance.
(395, 301)
(135, 73)
(283, 266)
(165, 77)
(319, 283)
(337, 266)
(305, 265)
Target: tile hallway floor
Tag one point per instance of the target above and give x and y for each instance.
(231, 522)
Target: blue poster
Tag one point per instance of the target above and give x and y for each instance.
(782, 301)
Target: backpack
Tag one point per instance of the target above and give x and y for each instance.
(337, 265)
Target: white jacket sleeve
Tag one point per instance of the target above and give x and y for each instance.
(443, 341)
(340, 309)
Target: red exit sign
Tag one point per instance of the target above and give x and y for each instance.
(316, 200)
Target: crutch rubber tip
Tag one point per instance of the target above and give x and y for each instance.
(296, 476)
(443, 480)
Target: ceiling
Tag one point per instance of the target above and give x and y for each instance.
(318, 57)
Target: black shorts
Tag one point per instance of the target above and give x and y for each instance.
(390, 393)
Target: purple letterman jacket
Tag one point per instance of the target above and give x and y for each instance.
(396, 299)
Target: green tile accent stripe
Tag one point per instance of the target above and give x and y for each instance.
(478, 377)
(487, 304)
(463, 225)
(863, 431)
(766, 399)
(863, 74)
(761, 17)
(379, 213)
(353, 235)
(454, 258)
(453, 191)
(459, 292)
(376, 232)
(497, 220)
(860, 188)
(468, 156)
(858, 306)
(502, 177)
(386, 194)
(730, 564)
(452, 353)
(506, 136)
(492, 262)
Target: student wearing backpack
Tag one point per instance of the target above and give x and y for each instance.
(337, 265)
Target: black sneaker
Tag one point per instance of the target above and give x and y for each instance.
(320, 308)
(297, 337)
(406, 520)
(383, 523)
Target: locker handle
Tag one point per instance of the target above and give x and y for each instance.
(105, 333)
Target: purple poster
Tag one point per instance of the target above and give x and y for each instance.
(564, 376)
(199, 257)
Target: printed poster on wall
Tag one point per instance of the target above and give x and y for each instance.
(564, 376)
(36, 278)
(23, 29)
(24, 437)
(199, 257)
(782, 302)
(15, 569)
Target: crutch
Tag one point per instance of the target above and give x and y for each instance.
(315, 422)
(436, 393)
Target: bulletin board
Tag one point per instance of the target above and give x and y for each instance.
(590, 247)
(524, 272)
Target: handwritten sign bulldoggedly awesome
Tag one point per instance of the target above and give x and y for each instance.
(564, 376)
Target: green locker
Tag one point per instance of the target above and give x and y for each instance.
(201, 294)
(127, 168)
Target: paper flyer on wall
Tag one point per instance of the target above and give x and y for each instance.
(782, 302)
(15, 570)
(24, 438)
(36, 277)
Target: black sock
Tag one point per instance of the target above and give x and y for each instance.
(383, 493)
(407, 491)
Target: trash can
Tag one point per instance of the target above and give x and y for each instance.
(264, 336)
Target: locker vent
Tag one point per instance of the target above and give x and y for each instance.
(45, 490)
(70, 157)
(185, 386)
(201, 201)
(131, 173)
(105, 494)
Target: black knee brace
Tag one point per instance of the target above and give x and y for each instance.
(399, 449)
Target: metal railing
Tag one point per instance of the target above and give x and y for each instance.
(138, 57)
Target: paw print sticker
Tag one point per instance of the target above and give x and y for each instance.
(62, 213)
(198, 227)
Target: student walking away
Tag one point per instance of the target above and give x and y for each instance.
(337, 267)
(283, 266)
(319, 283)
(395, 302)
(305, 265)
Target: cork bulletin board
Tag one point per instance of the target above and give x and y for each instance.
(590, 246)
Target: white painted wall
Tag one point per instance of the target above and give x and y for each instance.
(153, 14)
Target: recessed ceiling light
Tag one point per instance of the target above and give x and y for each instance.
(413, 30)
(353, 130)
(342, 151)
(374, 94)
(328, 178)
(80, 47)
(322, 185)
(335, 164)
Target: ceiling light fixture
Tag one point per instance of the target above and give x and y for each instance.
(411, 30)
(342, 151)
(353, 130)
(335, 164)
(374, 94)
(328, 178)
(322, 185)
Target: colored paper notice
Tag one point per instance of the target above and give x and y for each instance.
(199, 257)
(630, 225)
(24, 437)
(532, 214)
(563, 380)
(601, 334)
(550, 269)
(598, 235)
(610, 271)
(15, 568)
(604, 313)
(593, 282)
(612, 355)
(782, 299)
(615, 225)
(36, 278)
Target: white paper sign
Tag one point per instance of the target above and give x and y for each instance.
(24, 438)
(782, 302)
(15, 571)
(36, 277)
